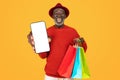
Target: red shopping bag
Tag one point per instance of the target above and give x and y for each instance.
(65, 69)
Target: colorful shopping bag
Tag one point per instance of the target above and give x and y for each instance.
(85, 70)
(77, 69)
(80, 69)
(65, 69)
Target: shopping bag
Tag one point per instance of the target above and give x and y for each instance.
(80, 69)
(65, 69)
(85, 69)
(77, 69)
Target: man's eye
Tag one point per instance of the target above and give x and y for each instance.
(63, 15)
(59, 15)
(55, 15)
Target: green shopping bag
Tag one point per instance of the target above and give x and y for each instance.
(85, 70)
(80, 69)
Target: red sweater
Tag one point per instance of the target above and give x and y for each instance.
(61, 38)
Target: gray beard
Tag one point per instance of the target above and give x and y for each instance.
(59, 26)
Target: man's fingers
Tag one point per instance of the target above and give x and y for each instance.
(75, 45)
(33, 43)
(30, 39)
(49, 39)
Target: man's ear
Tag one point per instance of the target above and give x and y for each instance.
(53, 16)
(65, 16)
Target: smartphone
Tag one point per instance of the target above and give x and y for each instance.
(40, 37)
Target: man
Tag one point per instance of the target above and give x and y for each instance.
(60, 36)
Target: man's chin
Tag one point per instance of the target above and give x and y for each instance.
(59, 25)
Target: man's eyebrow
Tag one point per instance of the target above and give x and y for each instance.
(60, 11)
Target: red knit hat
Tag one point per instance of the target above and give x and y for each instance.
(58, 5)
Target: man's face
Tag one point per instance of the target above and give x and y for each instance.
(59, 16)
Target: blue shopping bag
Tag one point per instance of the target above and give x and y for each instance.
(77, 69)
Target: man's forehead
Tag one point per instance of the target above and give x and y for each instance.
(59, 9)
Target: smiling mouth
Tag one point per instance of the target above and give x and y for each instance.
(59, 20)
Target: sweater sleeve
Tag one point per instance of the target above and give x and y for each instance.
(76, 35)
(43, 55)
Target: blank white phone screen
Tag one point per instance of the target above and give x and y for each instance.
(40, 37)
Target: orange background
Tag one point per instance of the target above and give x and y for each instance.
(98, 21)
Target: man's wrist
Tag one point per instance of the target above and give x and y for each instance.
(81, 40)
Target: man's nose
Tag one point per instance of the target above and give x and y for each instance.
(59, 15)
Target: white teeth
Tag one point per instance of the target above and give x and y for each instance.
(59, 19)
